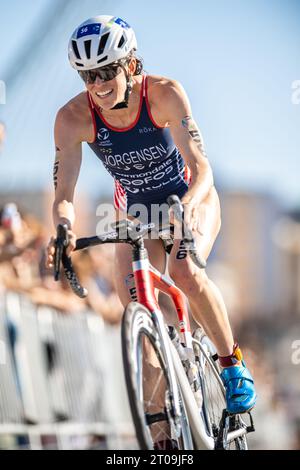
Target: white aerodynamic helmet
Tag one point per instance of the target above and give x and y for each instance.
(100, 41)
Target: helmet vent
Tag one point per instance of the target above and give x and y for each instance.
(75, 49)
(78, 64)
(87, 46)
(102, 60)
(121, 42)
(102, 44)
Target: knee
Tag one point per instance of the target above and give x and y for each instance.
(188, 277)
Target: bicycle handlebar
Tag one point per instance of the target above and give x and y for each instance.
(132, 236)
(188, 238)
(60, 255)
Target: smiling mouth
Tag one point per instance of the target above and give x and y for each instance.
(104, 94)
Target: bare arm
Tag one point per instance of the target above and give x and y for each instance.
(188, 139)
(68, 138)
(66, 167)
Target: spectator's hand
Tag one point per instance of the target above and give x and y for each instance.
(51, 248)
(23, 237)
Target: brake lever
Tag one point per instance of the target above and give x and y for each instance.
(187, 235)
(61, 243)
(72, 277)
(176, 206)
(61, 257)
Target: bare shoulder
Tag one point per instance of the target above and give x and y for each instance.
(166, 97)
(73, 119)
(162, 86)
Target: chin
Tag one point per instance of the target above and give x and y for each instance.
(105, 104)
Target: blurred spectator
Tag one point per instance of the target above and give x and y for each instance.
(22, 269)
(57, 295)
(20, 245)
(22, 239)
(94, 269)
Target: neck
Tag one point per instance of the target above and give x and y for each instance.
(134, 100)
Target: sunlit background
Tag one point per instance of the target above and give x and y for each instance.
(239, 61)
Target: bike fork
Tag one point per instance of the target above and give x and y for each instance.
(146, 296)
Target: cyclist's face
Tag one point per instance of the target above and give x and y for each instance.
(107, 94)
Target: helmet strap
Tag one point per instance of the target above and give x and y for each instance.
(129, 85)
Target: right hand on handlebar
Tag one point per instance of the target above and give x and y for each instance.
(59, 253)
(51, 248)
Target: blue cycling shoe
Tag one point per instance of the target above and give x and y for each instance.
(240, 391)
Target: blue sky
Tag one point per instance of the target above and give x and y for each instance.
(237, 60)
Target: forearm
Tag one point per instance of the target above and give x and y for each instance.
(201, 182)
(63, 213)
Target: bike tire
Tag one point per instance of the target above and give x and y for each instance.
(209, 370)
(137, 322)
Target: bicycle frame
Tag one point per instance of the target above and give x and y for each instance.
(147, 279)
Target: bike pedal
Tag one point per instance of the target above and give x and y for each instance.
(250, 428)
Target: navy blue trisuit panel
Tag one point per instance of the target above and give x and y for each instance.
(142, 158)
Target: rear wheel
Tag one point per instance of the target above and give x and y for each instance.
(149, 382)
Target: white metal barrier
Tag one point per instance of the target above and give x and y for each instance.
(62, 377)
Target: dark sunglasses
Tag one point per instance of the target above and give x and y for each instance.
(104, 73)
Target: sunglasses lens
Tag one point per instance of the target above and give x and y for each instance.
(108, 73)
(85, 75)
(104, 73)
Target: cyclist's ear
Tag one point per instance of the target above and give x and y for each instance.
(132, 66)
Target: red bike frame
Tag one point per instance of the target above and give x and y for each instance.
(147, 279)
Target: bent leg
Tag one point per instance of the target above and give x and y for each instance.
(206, 301)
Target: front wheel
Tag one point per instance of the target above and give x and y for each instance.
(149, 384)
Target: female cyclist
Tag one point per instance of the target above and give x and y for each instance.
(141, 128)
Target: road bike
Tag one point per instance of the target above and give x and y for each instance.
(176, 395)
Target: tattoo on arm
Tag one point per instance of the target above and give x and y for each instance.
(189, 123)
(55, 170)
